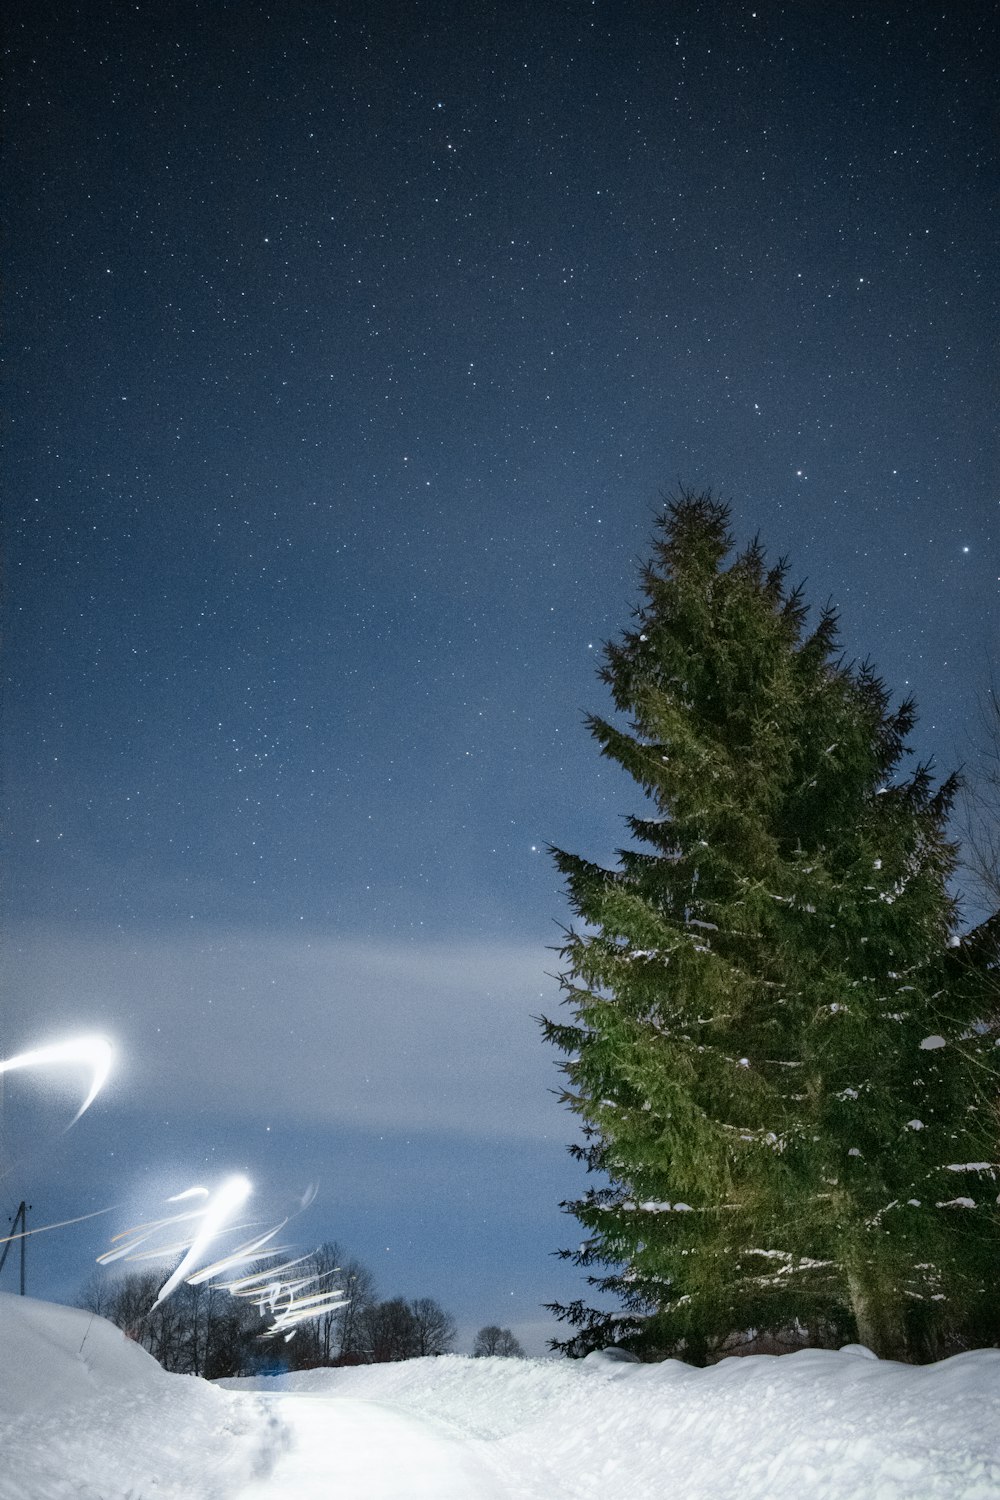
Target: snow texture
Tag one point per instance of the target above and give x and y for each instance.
(85, 1413)
(88, 1414)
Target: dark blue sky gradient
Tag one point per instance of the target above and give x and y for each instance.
(350, 350)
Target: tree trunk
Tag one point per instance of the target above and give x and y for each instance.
(877, 1313)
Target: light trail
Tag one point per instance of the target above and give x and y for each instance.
(272, 1288)
(303, 1310)
(238, 1257)
(142, 1232)
(231, 1196)
(62, 1224)
(95, 1052)
(244, 1286)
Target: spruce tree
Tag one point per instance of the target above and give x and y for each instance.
(777, 1073)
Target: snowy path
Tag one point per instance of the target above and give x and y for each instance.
(86, 1414)
(342, 1448)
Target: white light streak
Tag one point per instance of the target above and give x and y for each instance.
(231, 1196)
(238, 1257)
(272, 1289)
(141, 1233)
(60, 1224)
(94, 1052)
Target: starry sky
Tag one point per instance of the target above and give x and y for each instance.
(350, 351)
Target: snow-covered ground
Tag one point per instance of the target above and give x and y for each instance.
(86, 1414)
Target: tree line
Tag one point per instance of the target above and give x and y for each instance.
(781, 1046)
(203, 1330)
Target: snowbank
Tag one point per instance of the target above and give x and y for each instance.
(88, 1414)
(833, 1426)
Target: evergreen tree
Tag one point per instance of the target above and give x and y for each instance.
(775, 1068)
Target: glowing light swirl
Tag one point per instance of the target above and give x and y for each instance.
(95, 1052)
(233, 1193)
(272, 1289)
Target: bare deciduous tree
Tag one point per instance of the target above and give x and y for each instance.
(358, 1285)
(199, 1330)
(388, 1332)
(492, 1340)
(435, 1328)
(334, 1334)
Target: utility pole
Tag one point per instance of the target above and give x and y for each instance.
(20, 1217)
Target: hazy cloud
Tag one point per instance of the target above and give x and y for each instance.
(301, 1027)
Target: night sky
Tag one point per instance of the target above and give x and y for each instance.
(350, 352)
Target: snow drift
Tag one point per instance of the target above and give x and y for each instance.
(86, 1414)
(830, 1426)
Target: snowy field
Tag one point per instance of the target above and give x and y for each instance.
(87, 1415)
